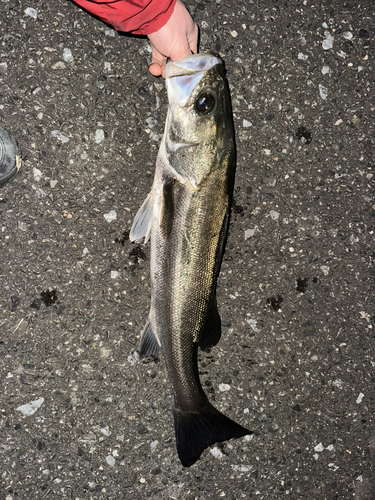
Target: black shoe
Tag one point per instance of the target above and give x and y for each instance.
(10, 160)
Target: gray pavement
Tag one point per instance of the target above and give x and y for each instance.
(81, 418)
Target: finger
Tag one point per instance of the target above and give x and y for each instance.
(157, 61)
(155, 69)
(193, 39)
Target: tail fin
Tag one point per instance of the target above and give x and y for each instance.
(197, 431)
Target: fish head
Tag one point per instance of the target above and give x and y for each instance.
(199, 127)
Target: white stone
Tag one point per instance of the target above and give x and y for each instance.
(360, 398)
(216, 452)
(319, 447)
(249, 233)
(59, 136)
(59, 65)
(110, 216)
(241, 468)
(224, 387)
(325, 270)
(274, 215)
(30, 408)
(67, 55)
(253, 325)
(110, 460)
(37, 174)
(328, 41)
(323, 91)
(325, 70)
(110, 32)
(302, 57)
(246, 124)
(115, 274)
(99, 136)
(31, 12)
(133, 358)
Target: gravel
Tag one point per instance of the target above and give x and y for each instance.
(296, 288)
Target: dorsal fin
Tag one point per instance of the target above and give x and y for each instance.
(212, 330)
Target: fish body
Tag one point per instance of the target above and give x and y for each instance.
(186, 215)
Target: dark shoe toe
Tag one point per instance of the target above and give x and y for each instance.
(9, 157)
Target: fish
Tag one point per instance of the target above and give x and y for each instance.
(186, 217)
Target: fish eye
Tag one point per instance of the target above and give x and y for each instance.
(204, 103)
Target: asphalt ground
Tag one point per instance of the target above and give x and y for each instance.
(296, 362)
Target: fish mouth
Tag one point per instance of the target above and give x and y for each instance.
(196, 63)
(182, 76)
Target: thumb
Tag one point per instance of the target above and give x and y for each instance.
(157, 62)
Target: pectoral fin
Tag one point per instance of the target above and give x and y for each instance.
(141, 227)
(212, 330)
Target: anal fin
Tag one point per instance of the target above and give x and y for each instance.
(149, 346)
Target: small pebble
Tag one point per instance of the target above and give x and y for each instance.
(31, 12)
(216, 452)
(110, 216)
(30, 408)
(133, 358)
(110, 460)
(325, 70)
(323, 92)
(110, 32)
(246, 124)
(99, 136)
(319, 447)
(67, 55)
(253, 325)
(302, 57)
(59, 65)
(249, 233)
(328, 41)
(325, 270)
(241, 468)
(274, 215)
(224, 387)
(59, 136)
(360, 398)
(37, 174)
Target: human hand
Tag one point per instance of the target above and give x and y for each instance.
(176, 39)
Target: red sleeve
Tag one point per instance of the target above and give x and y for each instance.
(140, 17)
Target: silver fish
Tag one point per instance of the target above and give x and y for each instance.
(186, 214)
